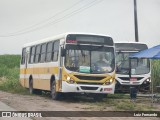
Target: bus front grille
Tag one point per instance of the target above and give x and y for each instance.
(88, 83)
(88, 88)
(127, 78)
(89, 77)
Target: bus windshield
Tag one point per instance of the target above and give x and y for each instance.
(138, 66)
(89, 59)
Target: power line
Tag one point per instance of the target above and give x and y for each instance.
(76, 11)
(60, 19)
(41, 22)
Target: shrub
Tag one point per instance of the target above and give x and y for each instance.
(9, 69)
(156, 73)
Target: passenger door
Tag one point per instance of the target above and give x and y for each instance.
(25, 68)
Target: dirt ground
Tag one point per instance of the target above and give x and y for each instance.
(44, 103)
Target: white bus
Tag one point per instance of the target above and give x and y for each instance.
(69, 63)
(140, 68)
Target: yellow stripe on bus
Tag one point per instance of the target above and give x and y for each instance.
(40, 70)
(43, 84)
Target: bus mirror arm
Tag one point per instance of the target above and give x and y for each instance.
(129, 72)
(129, 67)
(63, 52)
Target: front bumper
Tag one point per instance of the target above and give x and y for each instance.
(81, 88)
(145, 86)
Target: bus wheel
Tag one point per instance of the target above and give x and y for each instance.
(31, 86)
(55, 95)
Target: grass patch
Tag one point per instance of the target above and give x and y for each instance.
(118, 96)
(13, 86)
(155, 73)
(9, 74)
(123, 104)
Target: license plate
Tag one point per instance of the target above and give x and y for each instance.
(133, 79)
(107, 89)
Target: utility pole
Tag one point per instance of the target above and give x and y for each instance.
(135, 21)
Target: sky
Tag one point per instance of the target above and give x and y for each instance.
(24, 21)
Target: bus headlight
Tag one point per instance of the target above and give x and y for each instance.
(147, 80)
(68, 78)
(111, 80)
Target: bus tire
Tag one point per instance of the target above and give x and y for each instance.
(55, 95)
(31, 90)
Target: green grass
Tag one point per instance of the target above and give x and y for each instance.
(9, 74)
(156, 73)
(9, 63)
(13, 86)
(121, 104)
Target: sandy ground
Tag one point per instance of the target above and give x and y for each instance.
(41, 103)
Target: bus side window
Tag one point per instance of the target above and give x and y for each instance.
(49, 52)
(37, 56)
(56, 50)
(23, 56)
(32, 54)
(43, 53)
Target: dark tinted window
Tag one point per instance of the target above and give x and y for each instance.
(55, 50)
(38, 51)
(32, 54)
(43, 53)
(49, 51)
(23, 56)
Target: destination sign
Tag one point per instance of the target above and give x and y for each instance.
(89, 39)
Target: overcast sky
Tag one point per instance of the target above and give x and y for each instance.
(23, 21)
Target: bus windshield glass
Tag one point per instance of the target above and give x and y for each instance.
(138, 66)
(89, 59)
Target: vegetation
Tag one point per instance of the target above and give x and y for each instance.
(9, 74)
(118, 102)
(156, 73)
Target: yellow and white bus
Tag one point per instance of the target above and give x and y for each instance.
(69, 63)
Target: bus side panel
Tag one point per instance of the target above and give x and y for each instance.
(42, 75)
(22, 79)
(43, 84)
